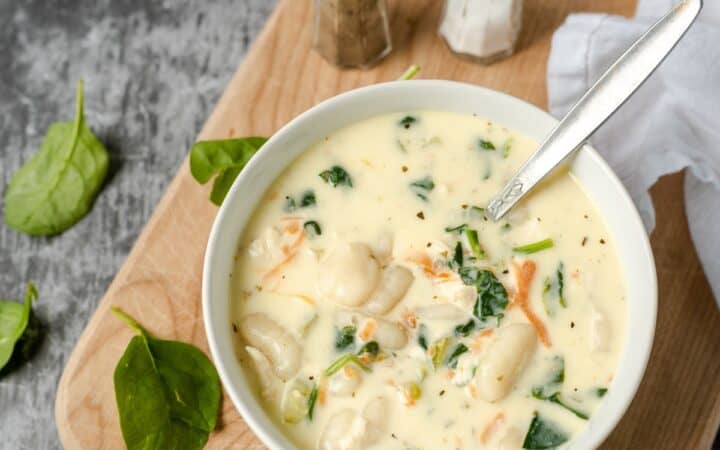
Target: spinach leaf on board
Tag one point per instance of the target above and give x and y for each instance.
(337, 176)
(553, 288)
(543, 435)
(14, 320)
(56, 188)
(224, 158)
(167, 393)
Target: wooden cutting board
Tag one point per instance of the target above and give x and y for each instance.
(678, 406)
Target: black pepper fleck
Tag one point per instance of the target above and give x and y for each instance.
(464, 206)
(602, 241)
(505, 271)
(235, 328)
(572, 324)
(442, 392)
(393, 435)
(404, 168)
(584, 241)
(429, 244)
(421, 215)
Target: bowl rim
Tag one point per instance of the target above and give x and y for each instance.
(259, 421)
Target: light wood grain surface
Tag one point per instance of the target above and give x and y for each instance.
(678, 405)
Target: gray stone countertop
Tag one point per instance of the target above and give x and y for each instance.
(153, 70)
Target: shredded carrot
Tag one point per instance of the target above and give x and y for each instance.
(368, 329)
(292, 227)
(322, 392)
(409, 318)
(450, 374)
(524, 276)
(477, 342)
(492, 427)
(289, 256)
(473, 390)
(424, 261)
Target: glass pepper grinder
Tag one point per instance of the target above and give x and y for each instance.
(351, 33)
(482, 30)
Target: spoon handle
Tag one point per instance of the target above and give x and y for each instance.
(615, 86)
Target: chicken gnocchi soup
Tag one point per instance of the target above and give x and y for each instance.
(377, 307)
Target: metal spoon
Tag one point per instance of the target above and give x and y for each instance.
(616, 85)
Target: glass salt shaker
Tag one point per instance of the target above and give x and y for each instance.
(351, 33)
(482, 30)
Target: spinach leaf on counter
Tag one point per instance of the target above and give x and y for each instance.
(553, 291)
(167, 392)
(337, 176)
(224, 158)
(423, 187)
(543, 435)
(56, 188)
(16, 326)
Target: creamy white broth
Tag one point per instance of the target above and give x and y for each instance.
(298, 283)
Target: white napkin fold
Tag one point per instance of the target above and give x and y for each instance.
(672, 121)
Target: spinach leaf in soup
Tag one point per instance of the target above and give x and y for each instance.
(345, 337)
(423, 187)
(465, 329)
(492, 298)
(474, 243)
(452, 361)
(56, 188)
(336, 176)
(167, 393)
(407, 121)
(312, 229)
(553, 287)
(458, 229)
(17, 332)
(224, 158)
(543, 434)
(551, 390)
(534, 247)
(308, 199)
(484, 144)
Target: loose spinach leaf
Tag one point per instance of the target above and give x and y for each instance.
(453, 358)
(553, 291)
(345, 337)
(534, 247)
(543, 435)
(56, 188)
(423, 187)
(226, 158)
(14, 320)
(167, 393)
(312, 228)
(466, 328)
(337, 176)
(485, 145)
(492, 298)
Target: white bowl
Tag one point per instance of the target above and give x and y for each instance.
(600, 183)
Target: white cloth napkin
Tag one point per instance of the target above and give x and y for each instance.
(672, 121)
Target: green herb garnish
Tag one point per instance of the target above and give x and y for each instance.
(492, 298)
(507, 146)
(457, 260)
(344, 359)
(308, 199)
(57, 186)
(437, 351)
(345, 337)
(336, 176)
(543, 435)
(486, 145)
(167, 392)
(534, 247)
(452, 361)
(312, 228)
(312, 398)
(18, 331)
(555, 398)
(472, 237)
(407, 121)
(600, 392)
(370, 349)
(423, 187)
(457, 229)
